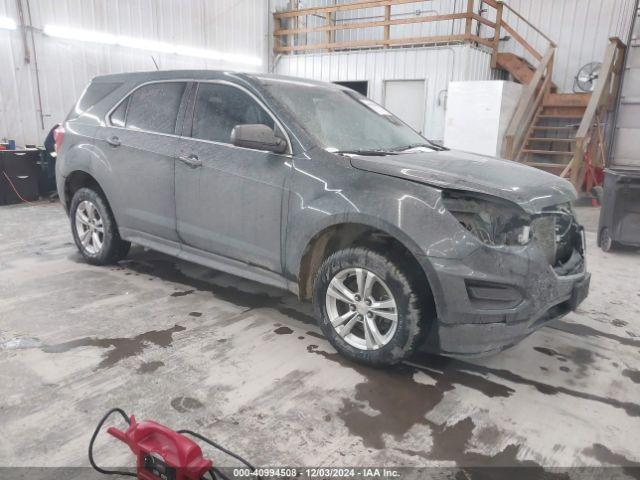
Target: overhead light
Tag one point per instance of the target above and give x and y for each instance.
(7, 23)
(81, 35)
(148, 45)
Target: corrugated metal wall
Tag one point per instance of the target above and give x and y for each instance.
(437, 65)
(65, 67)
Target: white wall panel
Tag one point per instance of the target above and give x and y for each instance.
(65, 67)
(437, 65)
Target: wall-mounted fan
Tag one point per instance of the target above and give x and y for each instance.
(586, 78)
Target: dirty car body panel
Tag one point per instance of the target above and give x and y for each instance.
(255, 214)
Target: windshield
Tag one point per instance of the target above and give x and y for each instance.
(343, 120)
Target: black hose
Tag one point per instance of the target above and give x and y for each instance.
(93, 439)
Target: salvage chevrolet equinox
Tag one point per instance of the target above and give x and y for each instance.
(399, 242)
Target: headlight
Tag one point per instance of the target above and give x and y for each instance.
(492, 220)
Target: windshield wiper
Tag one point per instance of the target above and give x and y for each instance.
(428, 144)
(372, 153)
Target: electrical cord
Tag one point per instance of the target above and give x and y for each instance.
(219, 447)
(15, 190)
(95, 435)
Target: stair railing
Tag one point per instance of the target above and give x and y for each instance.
(602, 102)
(501, 11)
(528, 104)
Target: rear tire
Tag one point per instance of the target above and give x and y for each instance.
(368, 307)
(94, 228)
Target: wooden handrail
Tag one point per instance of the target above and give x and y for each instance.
(380, 23)
(602, 87)
(536, 29)
(385, 23)
(603, 96)
(340, 8)
(527, 46)
(529, 101)
(382, 42)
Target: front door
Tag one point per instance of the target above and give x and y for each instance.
(229, 200)
(406, 100)
(140, 143)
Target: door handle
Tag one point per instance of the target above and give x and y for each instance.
(114, 141)
(192, 160)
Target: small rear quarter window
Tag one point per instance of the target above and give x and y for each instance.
(95, 92)
(118, 116)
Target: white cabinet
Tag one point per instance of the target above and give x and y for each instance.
(478, 114)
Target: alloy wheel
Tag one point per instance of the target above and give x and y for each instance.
(361, 308)
(89, 227)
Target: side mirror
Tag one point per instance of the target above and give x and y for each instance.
(258, 137)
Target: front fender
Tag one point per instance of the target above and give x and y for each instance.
(326, 192)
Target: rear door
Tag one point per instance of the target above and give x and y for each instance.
(229, 199)
(139, 142)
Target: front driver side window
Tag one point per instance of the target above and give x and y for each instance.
(220, 107)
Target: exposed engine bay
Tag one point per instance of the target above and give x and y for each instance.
(499, 222)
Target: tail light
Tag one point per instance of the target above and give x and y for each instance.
(58, 136)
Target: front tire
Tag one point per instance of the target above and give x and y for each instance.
(368, 307)
(94, 230)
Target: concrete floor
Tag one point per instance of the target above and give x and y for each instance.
(245, 365)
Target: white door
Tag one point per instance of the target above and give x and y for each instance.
(406, 100)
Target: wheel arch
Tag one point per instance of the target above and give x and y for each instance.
(382, 238)
(76, 180)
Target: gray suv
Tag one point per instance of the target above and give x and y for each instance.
(399, 242)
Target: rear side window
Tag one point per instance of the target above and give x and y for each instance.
(154, 107)
(95, 92)
(219, 108)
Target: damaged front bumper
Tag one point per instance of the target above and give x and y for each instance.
(497, 296)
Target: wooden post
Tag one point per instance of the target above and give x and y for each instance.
(296, 24)
(550, 69)
(496, 35)
(387, 28)
(329, 34)
(469, 24)
(277, 25)
(508, 154)
(576, 163)
(616, 73)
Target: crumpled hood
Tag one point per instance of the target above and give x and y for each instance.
(529, 187)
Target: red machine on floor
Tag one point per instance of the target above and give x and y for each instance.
(162, 453)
